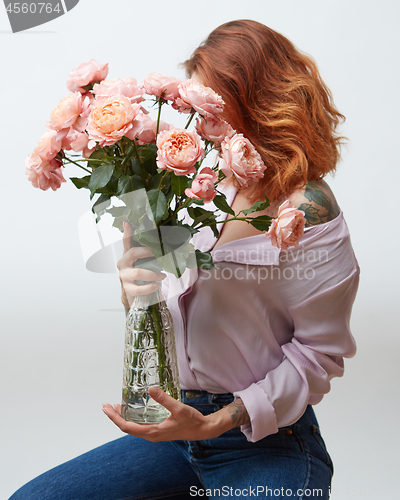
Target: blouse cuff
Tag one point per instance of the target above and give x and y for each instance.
(261, 412)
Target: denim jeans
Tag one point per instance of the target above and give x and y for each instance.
(293, 463)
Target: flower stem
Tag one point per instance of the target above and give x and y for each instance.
(180, 206)
(190, 120)
(162, 178)
(156, 320)
(77, 164)
(160, 103)
(129, 153)
(137, 152)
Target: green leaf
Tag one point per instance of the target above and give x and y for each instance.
(257, 206)
(215, 230)
(200, 215)
(98, 154)
(149, 239)
(178, 184)
(192, 230)
(154, 182)
(149, 155)
(117, 172)
(99, 207)
(158, 204)
(221, 203)
(118, 211)
(135, 165)
(128, 155)
(150, 166)
(119, 223)
(149, 263)
(96, 158)
(81, 182)
(148, 151)
(204, 260)
(128, 183)
(262, 222)
(184, 257)
(173, 237)
(100, 177)
(197, 211)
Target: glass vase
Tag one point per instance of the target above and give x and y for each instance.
(149, 359)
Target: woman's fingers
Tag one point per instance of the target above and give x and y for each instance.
(127, 238)
(132, 290)
(132, 255)
(131, 274)
(167, 401)
(184, 422)
(145, 431)
(115, 416)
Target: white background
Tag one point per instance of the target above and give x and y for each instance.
(62, 326)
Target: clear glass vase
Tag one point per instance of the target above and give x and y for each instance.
(149, 359)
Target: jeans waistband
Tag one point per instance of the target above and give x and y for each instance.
(195, 397)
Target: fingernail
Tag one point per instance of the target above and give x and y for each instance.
(153, 391)
(104, 408)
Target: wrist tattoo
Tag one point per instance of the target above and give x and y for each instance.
(238, 412)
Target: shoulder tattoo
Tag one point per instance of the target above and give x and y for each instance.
(318, 203)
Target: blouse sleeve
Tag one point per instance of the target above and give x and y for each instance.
(311, 359)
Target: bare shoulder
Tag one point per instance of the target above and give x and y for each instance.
(317, 202)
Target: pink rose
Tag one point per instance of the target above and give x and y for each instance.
(194, 95)
(77, 141)
(161, 86)
(240, 158)
(121, 86)
(214, 129)
(82, 121)
(48, 146)
(203, 186)
(111, 119)
(66, 112)
(179, 151)
(287, 229)
(86, 73)
(44, 173)
(148, 131)
(44, 181)
(43, 166)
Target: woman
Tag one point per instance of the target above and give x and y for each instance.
(259, 337)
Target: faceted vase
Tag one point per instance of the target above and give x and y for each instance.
(149, 359)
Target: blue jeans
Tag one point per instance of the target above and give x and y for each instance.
(293, 463)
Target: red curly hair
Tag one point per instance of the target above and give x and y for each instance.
(274, 96)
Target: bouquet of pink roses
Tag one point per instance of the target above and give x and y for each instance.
(154, 169)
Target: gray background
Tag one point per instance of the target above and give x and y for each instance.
(62, 326)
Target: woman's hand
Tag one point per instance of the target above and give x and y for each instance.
(128, 274)
(184, 422)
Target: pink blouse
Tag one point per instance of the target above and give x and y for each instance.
(270, 326)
